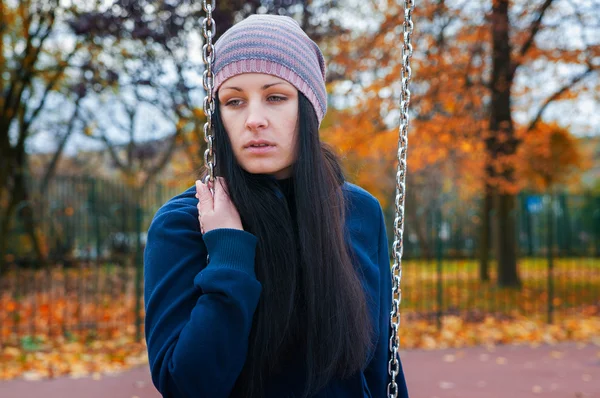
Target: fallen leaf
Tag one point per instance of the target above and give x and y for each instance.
(449, 358)
(446, 385)
(557, 354)
(32, 376)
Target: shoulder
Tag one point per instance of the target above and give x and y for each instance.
(364, 218)
(179, 212)
(357, 195)
(361, 204)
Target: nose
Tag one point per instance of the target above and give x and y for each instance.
(256, 117)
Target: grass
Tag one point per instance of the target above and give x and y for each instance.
(575, 284)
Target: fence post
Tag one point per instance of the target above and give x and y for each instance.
(565, 226)
(96, 211)
(597, 228)
(138, 272)
(527, 223)
(438, 240)
(550, 256)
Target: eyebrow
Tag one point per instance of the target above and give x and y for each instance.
(266, 86)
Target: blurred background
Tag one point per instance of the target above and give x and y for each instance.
(101, 123)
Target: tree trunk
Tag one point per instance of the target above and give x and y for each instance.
(4, 228)
(502, 144)
(5, 163)
(484, 243)
(26, 213)
(505, 243)
(7, 204)
(14, 193)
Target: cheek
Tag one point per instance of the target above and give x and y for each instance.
(292, 140)
(230, 127)
(226, 119)
(291, 124)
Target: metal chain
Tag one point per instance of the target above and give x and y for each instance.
(209, 30)
(394, 364)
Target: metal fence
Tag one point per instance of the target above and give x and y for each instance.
(93, 232)
(455, 227)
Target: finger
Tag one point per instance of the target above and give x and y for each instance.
(205, 199)
(221, 190)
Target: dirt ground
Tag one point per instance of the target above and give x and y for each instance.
(566, 370)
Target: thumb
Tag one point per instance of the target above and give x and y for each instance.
(204, 196)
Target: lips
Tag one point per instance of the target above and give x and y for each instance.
(261, 150)
(258, 144)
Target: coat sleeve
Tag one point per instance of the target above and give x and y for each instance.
(198, 315)
(376, 372)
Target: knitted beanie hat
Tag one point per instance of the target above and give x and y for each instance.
(275, 45)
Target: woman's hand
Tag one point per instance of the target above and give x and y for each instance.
(217, 212)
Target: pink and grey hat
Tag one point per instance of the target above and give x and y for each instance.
(275, 45)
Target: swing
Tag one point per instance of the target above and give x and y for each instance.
(209, 30)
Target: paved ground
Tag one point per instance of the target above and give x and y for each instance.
(565, 370)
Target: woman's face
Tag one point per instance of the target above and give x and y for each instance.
(260, 107)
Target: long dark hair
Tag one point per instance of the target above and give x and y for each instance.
(312, 306)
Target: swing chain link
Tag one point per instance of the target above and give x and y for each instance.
(208, 55)
(209, 30)
(407, 50)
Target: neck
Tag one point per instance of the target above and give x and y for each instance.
(286, 184)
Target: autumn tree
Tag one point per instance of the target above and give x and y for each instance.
(447, 109)
(510, 55)
(467, 57)
(36, 68)
(57, 56)
(548, 156)
(105, 69)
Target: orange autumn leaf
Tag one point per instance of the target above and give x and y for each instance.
(548, 155)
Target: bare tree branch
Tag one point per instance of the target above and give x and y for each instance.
(533, 30)
(166, 157)
(51, 167)
(13, 103)
(557, 95)
(103, 137)
(112, 152)
(49, 87)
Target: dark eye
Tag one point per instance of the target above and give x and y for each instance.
(233, 102)
(276, 98)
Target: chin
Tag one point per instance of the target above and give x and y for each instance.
(260, 170)
(266, 170)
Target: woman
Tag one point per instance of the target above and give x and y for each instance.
(295, 298)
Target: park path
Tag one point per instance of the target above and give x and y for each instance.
(565, 370)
